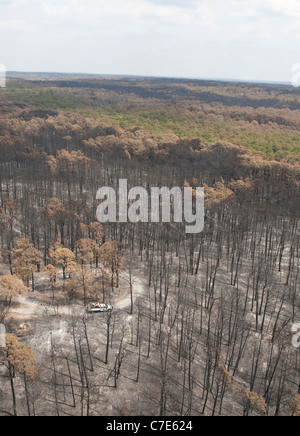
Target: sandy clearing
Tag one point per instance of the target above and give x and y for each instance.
(26, 308)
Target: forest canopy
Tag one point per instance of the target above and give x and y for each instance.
(262, 118)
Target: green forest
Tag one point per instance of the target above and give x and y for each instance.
(263, 119)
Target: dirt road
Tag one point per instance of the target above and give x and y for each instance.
(26, 308)
(139, 289)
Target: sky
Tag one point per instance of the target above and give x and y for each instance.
(230, 39)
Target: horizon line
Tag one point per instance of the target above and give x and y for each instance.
(209, 79)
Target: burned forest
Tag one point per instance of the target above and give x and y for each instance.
(201, 324)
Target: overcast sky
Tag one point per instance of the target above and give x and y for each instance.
(238, 39)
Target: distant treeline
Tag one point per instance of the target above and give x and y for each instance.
(262, 118)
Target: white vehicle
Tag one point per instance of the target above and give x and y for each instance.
(99, 308)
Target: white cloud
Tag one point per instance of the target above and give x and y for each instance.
(284, 7)
(173, 37)
(15, 25)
